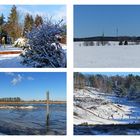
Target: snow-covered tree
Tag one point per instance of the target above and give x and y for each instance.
(21, 43)
(44, 48)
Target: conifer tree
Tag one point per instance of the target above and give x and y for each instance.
(2, 21)
(13, 27)
(28, 24)
(38, 20)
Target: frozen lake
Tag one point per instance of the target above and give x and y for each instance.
(33, 121)
(116, 56)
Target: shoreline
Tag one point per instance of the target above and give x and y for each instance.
(107, 125)
(34, 102)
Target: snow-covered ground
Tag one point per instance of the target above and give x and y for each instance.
(11, 61)
(9, 48)
(64, 47)
(114, 56)
(14, 60)
(94, 107)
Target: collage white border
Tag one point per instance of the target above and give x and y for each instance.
(70, 67)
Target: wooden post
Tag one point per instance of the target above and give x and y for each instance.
(47, 108)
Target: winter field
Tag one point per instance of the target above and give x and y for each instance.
(113, 56)
(96, 112)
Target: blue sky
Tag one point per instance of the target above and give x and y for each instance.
(112, 73)
(93, 20)
(57, 12)
(33, 85)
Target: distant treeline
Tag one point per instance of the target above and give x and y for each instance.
(10, 99)
(109, 38)
(19, 100)
(122, 86)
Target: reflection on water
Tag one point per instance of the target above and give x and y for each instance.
(33, 121)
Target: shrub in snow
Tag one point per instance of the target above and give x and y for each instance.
(20, 42)
(125, 43)
(44, 48)
(121, 43)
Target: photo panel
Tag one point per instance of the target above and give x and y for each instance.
(33, 36)
(106, 103)
(106, 36)
(33, 103)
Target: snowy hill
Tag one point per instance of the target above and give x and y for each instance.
(93, 107)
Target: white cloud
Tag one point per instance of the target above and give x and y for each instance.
(16, 79)
(30, 78)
